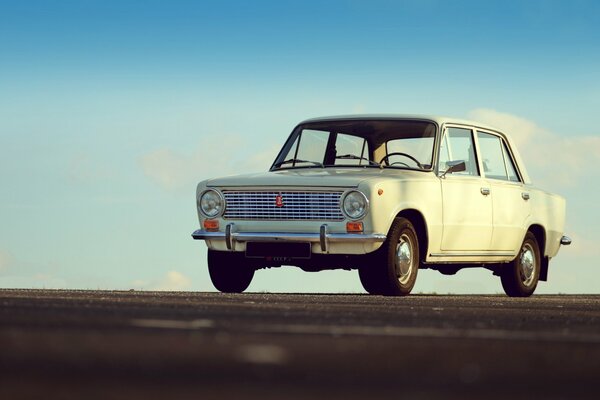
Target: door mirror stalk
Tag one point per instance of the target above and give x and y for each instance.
(454, 166)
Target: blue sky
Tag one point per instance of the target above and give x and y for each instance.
(111, 111)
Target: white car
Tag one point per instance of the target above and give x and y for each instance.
(386, 195)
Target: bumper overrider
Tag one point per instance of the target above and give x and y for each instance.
(231, 236)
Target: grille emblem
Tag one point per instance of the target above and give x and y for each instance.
(279, 200)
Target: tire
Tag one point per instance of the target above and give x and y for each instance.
(520, 277)
(369, 280)
(392, 270)
(228, 271)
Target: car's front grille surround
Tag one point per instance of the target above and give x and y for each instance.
(297, 205)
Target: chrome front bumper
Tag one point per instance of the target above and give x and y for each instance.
(230, 236)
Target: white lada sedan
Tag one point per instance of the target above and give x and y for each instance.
(386, 195)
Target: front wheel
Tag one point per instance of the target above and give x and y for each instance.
(392, 270)
(228, 271)
(521, 276)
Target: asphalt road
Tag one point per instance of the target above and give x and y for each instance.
(154, 345)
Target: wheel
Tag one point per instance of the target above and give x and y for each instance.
(393, 268)
(369, 280)
(520, 277)
(228, 271)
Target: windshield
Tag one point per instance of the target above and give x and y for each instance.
(360, 143)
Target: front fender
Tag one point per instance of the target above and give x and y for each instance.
(389, 198)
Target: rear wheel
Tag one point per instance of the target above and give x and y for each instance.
(520, 278)
(392, 270)
(229, 272)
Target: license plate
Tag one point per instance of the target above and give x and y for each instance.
(277, 250)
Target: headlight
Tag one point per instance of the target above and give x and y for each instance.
(355, 205)
(211, 203)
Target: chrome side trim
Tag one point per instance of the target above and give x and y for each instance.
(487, 254)
(288, 237)
(565, 240)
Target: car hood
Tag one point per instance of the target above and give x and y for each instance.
(326, 177)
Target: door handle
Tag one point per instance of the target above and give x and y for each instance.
(525, 195)
(485, 191)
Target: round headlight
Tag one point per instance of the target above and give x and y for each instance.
(211, 203)
(355, 205)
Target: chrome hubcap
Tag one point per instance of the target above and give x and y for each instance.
(404, 260)
(527, 264)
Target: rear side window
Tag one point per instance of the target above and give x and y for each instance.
(496, 160)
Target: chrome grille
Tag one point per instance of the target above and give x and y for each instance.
(322, 206)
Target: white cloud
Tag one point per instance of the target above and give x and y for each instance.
(5, 260)
(553, 160)
(215, 156)
(172, 281)
(358, 109)
(520, 129)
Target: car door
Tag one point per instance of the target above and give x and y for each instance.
(510, 199)
(466, 204)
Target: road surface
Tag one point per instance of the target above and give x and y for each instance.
(155, 345)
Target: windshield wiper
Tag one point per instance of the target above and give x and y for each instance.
(355, 157)
(296, 160)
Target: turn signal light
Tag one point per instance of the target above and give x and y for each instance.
(211, 224)
(354, 227)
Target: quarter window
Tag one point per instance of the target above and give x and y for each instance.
(510, 165)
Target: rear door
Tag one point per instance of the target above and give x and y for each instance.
(510, 198)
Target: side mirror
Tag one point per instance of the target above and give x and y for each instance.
(454, 166)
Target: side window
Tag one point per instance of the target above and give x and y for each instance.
(493, 155)
(457, 145)
(349, 145)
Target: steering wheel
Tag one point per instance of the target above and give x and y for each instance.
(397, 153)
(401, 163)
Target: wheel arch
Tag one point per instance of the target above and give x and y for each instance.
(540, 235)
(420, 224)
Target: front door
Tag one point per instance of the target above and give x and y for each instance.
(467, 204)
